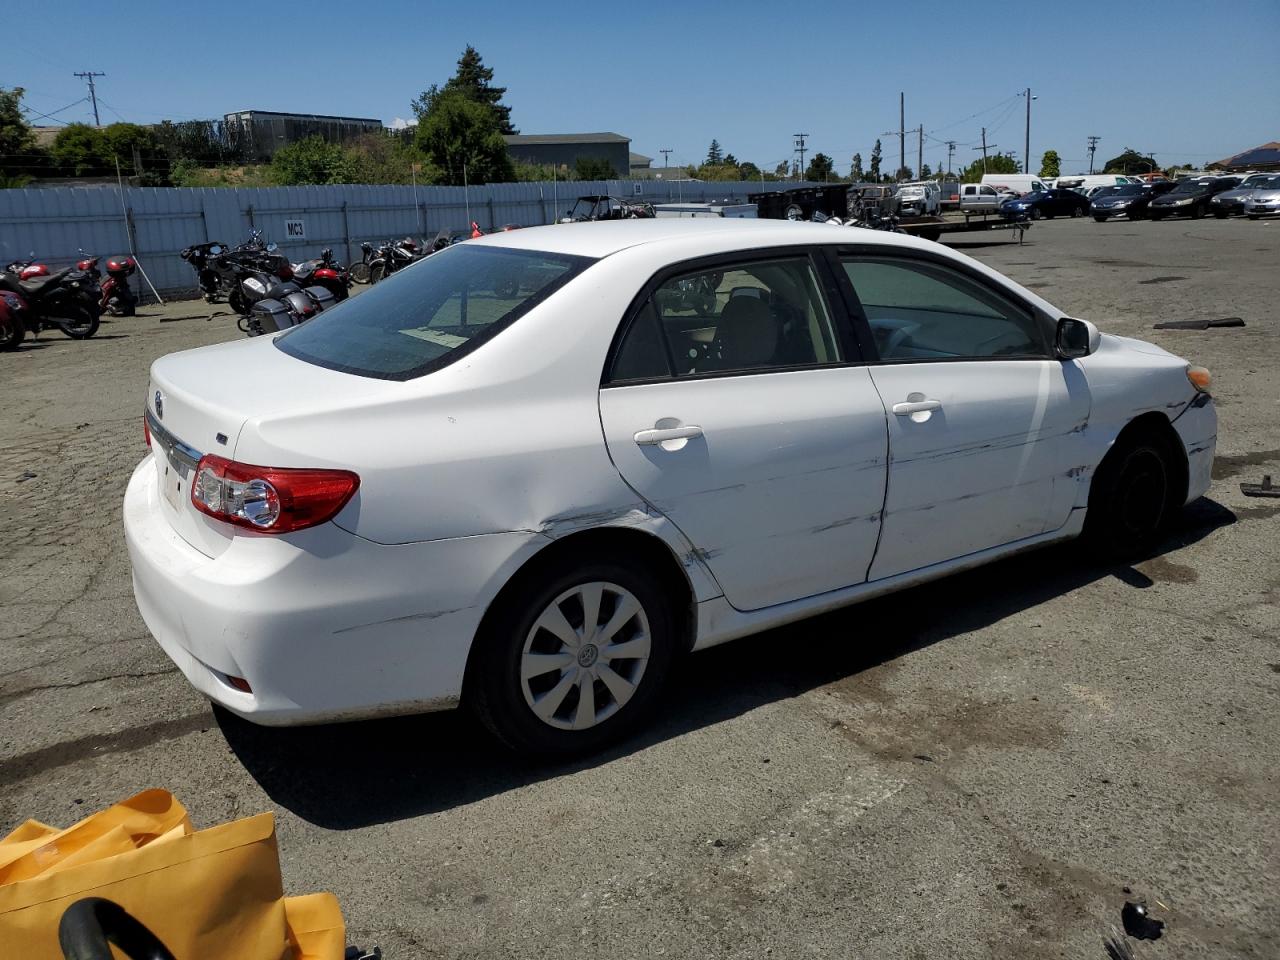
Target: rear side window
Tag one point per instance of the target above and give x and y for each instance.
(748, 317)
(921, 311)
(432, 313)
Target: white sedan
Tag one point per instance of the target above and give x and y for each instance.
(532, 471)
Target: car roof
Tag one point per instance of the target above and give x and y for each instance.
(603, 238)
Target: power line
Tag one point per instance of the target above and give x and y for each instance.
(50, 116)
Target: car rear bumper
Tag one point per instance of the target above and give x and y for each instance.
(1197, 426)
(324, 625)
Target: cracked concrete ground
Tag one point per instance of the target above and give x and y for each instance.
(976, 768)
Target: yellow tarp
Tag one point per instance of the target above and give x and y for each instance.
(206, 894)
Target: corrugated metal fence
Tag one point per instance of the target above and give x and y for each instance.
(158, 222)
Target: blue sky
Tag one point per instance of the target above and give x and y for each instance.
(1188, 81)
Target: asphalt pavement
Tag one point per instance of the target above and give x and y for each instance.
(988, 766)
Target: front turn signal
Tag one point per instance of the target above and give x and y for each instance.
(1199, 378)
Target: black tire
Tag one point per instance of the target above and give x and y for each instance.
(11, 331)
(359, 272)
(494, 689)
(377, 272)
(1220, 214)
(1100, 219)
(78, 323)
(1035, 213)
(237, 302)
(1078, 212)
(1157, 216)
(1131, 498)
(1253, 216)
(1197, 211)
(1137, 214)
(793, 211)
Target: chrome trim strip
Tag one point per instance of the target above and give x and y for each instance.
(174, 448)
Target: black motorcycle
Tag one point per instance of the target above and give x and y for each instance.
(214, 261)
(392, 256)
(66, 300)
(359, 271)
(267, 304)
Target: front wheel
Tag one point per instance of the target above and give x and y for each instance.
(1100, 219)
(11, 331)
(573, 658)
(1197, 212)
(1078, 212)
(359, 272)
(1220, 214)
(1157, 216)
(1131, 498)
(79, 323)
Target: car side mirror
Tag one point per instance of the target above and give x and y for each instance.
(1076, 338)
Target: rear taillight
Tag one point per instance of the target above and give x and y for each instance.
(269, 499)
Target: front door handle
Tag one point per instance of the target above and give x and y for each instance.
(648, 438)
(916, 406)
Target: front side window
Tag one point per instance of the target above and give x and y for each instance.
(432, 312)
(925, 311)
(750, 317)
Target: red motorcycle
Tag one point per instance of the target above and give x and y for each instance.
(117, 298)
(325, 272)
(13, 320)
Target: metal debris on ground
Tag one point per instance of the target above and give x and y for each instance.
(1263, 489)
(1198, 324)
(1138, 924)
(1118, 947)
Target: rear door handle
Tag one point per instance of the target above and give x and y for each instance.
(648, 438)
(916, 406)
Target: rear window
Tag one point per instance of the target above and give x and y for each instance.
(432, 313)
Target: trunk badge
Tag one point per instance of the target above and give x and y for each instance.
(221, 438)
(159, 406)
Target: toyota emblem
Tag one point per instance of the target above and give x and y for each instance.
(159, 406)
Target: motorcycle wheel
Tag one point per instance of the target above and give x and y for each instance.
(236, 301)
(11, 332)
(377, 272)
(81, 325)
(338, 289)
(359, 272)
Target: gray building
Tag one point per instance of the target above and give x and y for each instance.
(564, 149)
(262, 132)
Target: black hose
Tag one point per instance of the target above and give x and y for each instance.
(90, 926)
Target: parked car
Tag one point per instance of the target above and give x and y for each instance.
(1265, 200)
(1047, 204)
(536, 504)
(1190, 197)
(1130, 200)
(1088, 182)
(922, 199)
(1232, 201)
(980, 198)
(1018, 183)
(599, 207)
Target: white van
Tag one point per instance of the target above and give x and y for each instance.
(1083, 183)
(1018, 183)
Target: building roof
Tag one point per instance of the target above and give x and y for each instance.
(521, 139)
(303, 116)
(640, 160)
(1267, 155)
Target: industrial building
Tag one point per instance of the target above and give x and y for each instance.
(263, 132)
(565, 149)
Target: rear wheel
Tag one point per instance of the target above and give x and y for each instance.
(1197, 212)
(1035, 213)
(1078, 212)
(78, 323)
(1099, 219)
(376, 272)
(573, 658)
(11, 331)
(1157, 216)
(1131, 498)
(1220, 214)
(793, 212)
(359, 272)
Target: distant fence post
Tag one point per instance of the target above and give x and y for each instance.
(249, 211)
(493, 223)
(346, 233)
(204, 220)
(542, 202)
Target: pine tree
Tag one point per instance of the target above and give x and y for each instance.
(855, 168)
(473, 81)
(714, 155)
(875, 162)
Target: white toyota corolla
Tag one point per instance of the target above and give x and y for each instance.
(531, 471)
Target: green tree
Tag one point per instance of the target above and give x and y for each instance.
(996, 163)
(748, 171)
(474, 81)
(714, 156)
(730, 160)
(463, 138)
(78, 149)
(856, 172)
(820, 168)
(136, 148)
(1050, 164)
(904, 173)
(594, 168)
(875, 163)
(925, 172)
(312, 160)
(383, 158)
(782, 170)
(1130, 161)
(18, 151)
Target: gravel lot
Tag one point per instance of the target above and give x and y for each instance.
(976, 768)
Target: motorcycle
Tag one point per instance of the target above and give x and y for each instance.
(392, 256)
(267, 304)
(325, 272)
(118, 299)
(28, 269)
(212, 262)
(13, 322)
(67, 300)
(359, 271)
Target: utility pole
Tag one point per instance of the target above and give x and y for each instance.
(951, 149)
(919, 150)
(985, 146)
(902, 133)
(93, 94)
(1026, 147)
(666, 157)
(800, 137)
(1093, 146)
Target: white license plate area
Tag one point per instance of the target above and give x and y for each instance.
(174, 479)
